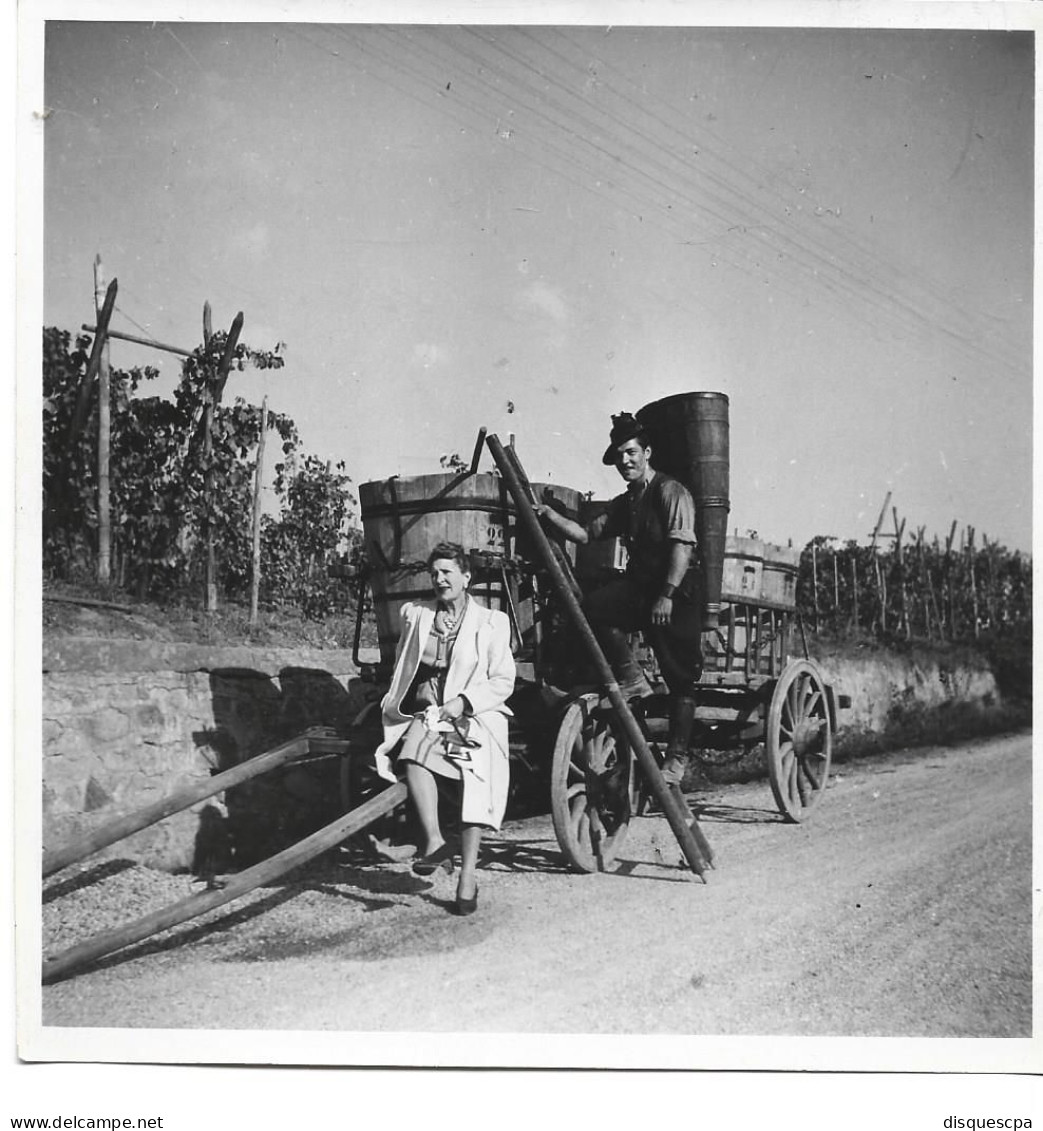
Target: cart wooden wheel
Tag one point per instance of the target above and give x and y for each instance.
(592, 780)
(799, 739)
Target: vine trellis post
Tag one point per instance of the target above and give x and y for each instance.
(213, 390)
(104, 426)
(255, 574)
(215, 379)
(904, 624)
(881, 589)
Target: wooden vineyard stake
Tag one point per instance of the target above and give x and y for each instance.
(854, 583)
(972, 579)
(215, 384)
(904, 618)
(83, 398)
(814, 582)
(255, 575)
(950, 600)
(881, 590)
(104, 428)
(836, 591)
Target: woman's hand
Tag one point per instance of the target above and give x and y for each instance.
(453, 709)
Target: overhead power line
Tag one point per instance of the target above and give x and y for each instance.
(643, 161)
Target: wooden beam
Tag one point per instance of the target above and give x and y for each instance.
(243, 882)
(139, 341)
(122, 827)
(83, 400)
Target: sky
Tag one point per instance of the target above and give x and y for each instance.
(529, 228)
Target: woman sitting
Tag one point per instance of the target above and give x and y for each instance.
(446, 712)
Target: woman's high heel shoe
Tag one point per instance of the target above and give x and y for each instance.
(467, 906)
(442, 857)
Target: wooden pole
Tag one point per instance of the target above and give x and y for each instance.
(949, 598)
(990, 580)
(199, 902)
(903, 620)
(836, 589)
(255, 575)
(881, 594)
(880, 521)
(121, 827)
(814, 582)
(104, 429)
(139, 341)
(668, 803)
(881, 584)
(83, 398)
(925, 571)
(854, 582)
(972, 578)
(210, 581)
(215, 385)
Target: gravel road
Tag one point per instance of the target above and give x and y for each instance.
(903, 908)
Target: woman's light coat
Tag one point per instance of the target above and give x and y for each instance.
(481, 669)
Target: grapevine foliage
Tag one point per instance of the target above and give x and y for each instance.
(168, 484)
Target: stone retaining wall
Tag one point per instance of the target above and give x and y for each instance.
(126, 722)
(886, 688)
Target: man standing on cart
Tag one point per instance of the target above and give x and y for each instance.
(660, 592)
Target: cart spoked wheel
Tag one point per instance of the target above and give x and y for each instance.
(592, 783)
(799, 740)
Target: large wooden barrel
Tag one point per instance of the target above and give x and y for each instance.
(403, 519)
(689, 433)
(779, 582)
(743, 569)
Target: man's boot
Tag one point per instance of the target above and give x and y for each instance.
(682, 722)
(629, 674)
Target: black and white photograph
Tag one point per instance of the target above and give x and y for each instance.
(525, 540)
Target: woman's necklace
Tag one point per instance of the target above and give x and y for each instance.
(450, 619)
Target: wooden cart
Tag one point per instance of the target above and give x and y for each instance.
(756, 690)
(572, 728)
(566, 733)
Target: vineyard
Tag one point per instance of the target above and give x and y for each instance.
(183, 479)
(183, 484)
(925, 589)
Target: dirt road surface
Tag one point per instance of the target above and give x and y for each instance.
(902, 908)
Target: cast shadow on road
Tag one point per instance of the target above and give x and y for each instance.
(738, 814)
(197, 933)
(522, 856)
(374, 892)
(95, 874)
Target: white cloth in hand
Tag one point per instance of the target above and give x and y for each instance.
(434, 722)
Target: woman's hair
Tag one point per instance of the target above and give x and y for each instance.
(450, 551)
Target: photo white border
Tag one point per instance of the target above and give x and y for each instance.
(130, 1046)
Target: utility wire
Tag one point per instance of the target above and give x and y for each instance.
(912, 287)
(819, 269)
(810, 259)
